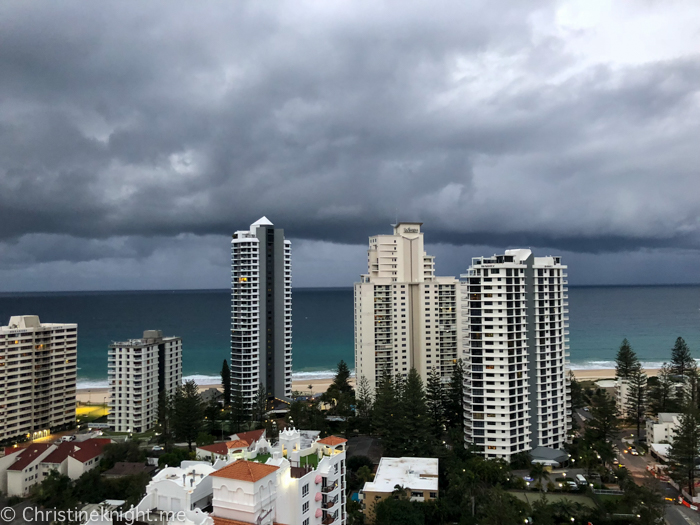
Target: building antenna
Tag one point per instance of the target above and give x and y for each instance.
(397, 215)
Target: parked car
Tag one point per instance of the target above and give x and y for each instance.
(157, 448)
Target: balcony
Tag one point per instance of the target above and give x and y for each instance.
(329, 488)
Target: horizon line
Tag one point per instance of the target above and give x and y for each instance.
(305, 288)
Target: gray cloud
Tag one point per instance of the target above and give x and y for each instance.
(129, 130)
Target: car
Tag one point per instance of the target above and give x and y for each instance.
(615, 461)
(634, 452)
(586, 409)
(157, 448)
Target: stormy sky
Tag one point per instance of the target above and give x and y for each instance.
(136, 137)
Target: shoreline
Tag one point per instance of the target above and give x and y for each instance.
(97, 395)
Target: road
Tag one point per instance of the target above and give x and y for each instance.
(680, 515)
(637, 466)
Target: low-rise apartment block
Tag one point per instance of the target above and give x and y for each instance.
(38, 364)
(22, 468)
(139, 370)
(662, 428)
(417, 476)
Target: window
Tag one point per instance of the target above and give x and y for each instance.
(305, 490)
(433, 494)
(306, 521)
(416, 494)
(305, 507)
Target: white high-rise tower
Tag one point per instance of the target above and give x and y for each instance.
(515, 323)
(261, 312)
(405, 316)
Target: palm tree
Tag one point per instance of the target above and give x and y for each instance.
(538, 473)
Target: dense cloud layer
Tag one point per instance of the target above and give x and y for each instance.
(134, 135)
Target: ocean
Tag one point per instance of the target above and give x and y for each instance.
(651, 317)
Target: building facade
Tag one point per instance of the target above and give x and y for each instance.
(662, 428)
(405, 316)
(139, 370)
(417, 476)
(261, 312)
(38, 366)
(291, 489)
(515, 323)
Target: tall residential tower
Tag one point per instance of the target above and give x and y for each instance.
(405, 316)
(516, 391)
(139, 370)
(37, 377)
(261, 312)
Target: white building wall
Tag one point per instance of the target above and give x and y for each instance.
(249, 299)
(405, 316)
(133, 371)
(38, 367)
(515, 333)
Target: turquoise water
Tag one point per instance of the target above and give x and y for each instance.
(651, 317)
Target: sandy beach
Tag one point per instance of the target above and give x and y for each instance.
(97, 395)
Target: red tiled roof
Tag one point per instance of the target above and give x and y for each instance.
(223, 448)
(332, 441)
(28, 455)
(243, 470)
(82, 451)
(16, 448)
(251, 436)
(89, 449)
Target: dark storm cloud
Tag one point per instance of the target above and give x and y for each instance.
(123, 125)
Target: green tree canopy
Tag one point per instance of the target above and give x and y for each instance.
(435, 400)
(226, 382)
(604, 423)
(637, 401)
(188, 413)
(414, 412)
(625, 361)
(681, 360)
(685, 449)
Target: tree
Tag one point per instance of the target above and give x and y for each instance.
(385, 415)
(398, 511)
(681, 360)
(259, 404)
(538, 473)
(454, 413)
(128, 451)
(435, 397)
(637, 396)
(239, 411)
(340, 394)
(226, 382)
(55, 491)
(663, 393)
(364, 403)
(685, 449)
(416, 424)
(165, 417)
(188, 413)
(625, 361)
(604, 421)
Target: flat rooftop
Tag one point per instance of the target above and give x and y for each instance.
(410, 473)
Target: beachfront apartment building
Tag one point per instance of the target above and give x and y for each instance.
(261, 313)
(515, 325)
(662, 428)
(405, 316)
(139, 370)
(418, 478)
(38, 366)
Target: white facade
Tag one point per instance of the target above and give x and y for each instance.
(405, 316)
(138, 370)
(38, 364)
(261, 312)
(186, 487)
(23, 468)
(285, 490)
(622, 392)
(515, 322)
(662, 429)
